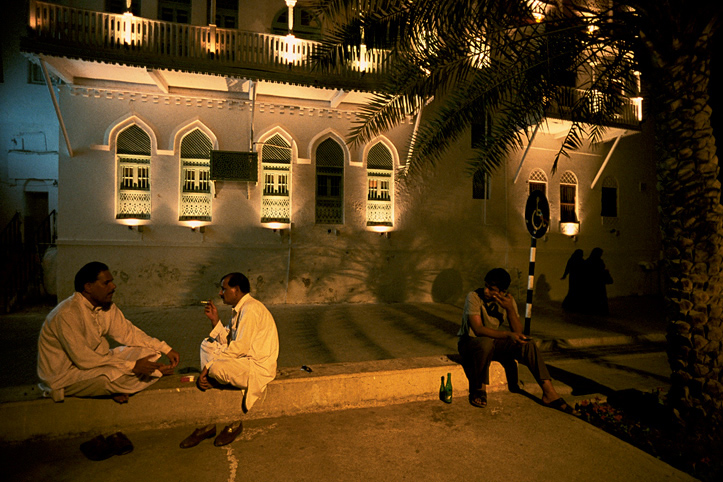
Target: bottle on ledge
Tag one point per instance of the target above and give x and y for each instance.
(445, 390)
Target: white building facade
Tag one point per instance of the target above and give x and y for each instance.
(189, 150)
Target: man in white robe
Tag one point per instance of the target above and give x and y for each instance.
(74, 356)
(242, 354)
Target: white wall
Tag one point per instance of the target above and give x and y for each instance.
(442, 243)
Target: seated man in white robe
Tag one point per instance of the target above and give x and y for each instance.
(74, 355)
(242, 354)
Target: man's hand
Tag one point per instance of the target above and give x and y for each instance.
(173, 357)
(144, 366)
(203, 382)
(519, 338)
(505, 300)
(211, 312)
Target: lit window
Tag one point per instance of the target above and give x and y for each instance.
(568, 198)
(133, 157)
(379, 180)
(329, 183)
(276, 165)
(195, 195)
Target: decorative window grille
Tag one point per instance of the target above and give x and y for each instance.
(379, 178)
(568, 198)
(329, 183)
(538, 181)
(196, 197)
(276, 165)
(133, 156)
(609, 201)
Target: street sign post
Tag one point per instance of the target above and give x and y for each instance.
(537, 220)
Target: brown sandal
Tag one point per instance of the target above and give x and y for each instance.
(478, 399)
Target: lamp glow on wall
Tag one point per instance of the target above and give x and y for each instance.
(637, 107)
(538, 9)
(570, 229)
(277, 227)
(127, 17)
(196, 226)
(133, 224)
(382, 229)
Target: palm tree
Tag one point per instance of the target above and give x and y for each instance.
(506, 60)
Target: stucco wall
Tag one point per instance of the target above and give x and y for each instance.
(442, 242)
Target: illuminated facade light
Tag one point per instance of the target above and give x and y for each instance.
(276, 225)
(570, 229)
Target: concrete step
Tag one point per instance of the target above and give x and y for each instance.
(171, 402)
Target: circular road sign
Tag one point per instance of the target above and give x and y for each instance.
(537, 214)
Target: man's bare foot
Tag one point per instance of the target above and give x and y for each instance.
(120, 397)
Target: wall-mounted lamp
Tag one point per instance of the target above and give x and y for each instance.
(196, 226)
(570, 229)
(615, 232)
(333, 231)
(277, 227)
(133, 224)
(384, 230)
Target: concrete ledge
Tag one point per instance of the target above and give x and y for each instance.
(172, 403)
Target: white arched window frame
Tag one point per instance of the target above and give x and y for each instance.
(569, 221)
(537, 182)
(276, 174)
(133, 161)
(380, 186)
(196, 190)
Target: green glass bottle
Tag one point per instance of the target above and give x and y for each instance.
(447, 389)
(442, 389)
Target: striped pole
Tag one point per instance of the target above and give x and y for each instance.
(530, 284)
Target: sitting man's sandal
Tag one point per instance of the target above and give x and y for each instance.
(561, 405)
(478, 399)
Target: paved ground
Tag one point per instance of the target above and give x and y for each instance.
(514, 438)
(415, 441)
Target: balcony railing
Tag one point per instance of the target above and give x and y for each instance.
(630, 115)
(135, 40)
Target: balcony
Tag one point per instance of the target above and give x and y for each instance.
(629, 116)
(61, 31)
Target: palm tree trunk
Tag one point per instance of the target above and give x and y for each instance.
(691, 218)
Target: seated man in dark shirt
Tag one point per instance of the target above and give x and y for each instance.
(491, 331)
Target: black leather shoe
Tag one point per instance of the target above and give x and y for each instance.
(97, 448)
(229, 434)
(120, 444)
(198, 435)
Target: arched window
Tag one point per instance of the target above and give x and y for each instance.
(537, 181)
(195, 177)
(276, 165)
(568, 198)
(133, 160)
(380, 182)
(329, 183)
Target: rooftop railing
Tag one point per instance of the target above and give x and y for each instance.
(91, 34)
